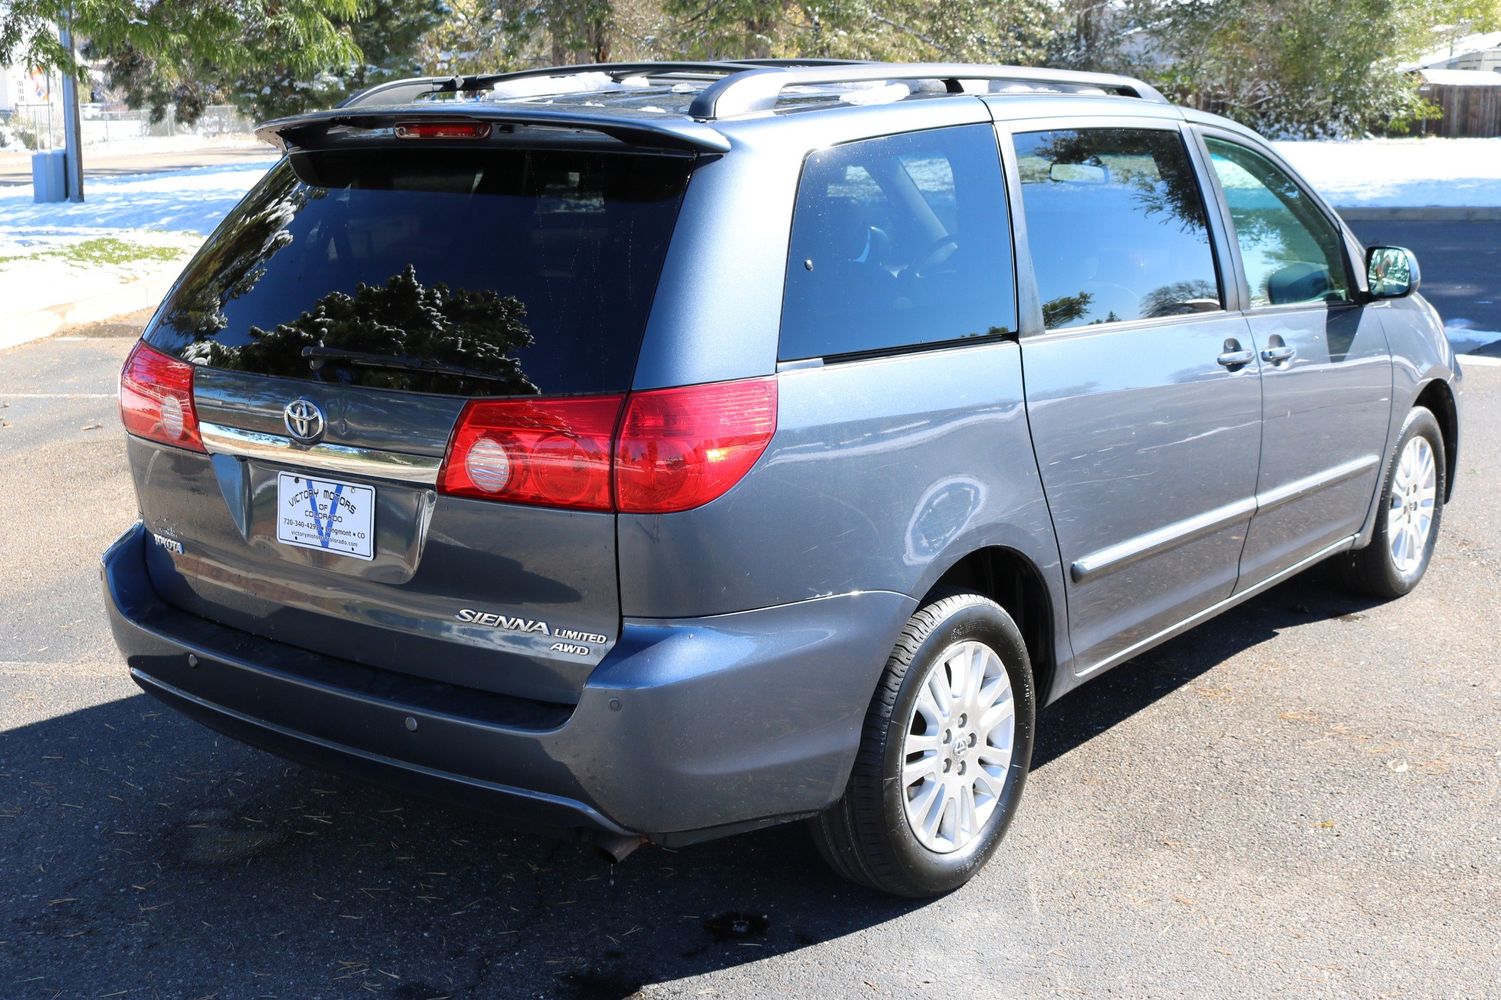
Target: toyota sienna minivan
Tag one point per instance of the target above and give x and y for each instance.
(663, 451)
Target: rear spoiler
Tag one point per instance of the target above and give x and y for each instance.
(302, 133)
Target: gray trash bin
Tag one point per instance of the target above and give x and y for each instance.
(49, 177)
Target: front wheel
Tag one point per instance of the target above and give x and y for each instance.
(943, 757)
(1412, 507)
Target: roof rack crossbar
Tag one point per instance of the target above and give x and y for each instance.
(759, 89)
(408, 90)
(790, 63)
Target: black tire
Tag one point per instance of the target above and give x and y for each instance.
(865, 836)
(1373, 569)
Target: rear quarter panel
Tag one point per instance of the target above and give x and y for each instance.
(882, 474)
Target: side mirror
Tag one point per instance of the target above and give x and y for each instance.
(1391, 272)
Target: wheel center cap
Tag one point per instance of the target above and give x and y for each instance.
(961, 747)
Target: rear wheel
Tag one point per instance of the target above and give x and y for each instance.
(1407, 524)
(944, 755)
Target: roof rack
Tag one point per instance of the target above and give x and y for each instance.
(760, 88)
(746, 86)
(415, 88)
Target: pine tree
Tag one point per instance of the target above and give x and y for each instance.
(234, 34)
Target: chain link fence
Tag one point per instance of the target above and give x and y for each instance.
(40, 126)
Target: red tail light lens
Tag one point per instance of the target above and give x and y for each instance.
(681, 448)
(554, 452)
(675, 449)
(156, 398)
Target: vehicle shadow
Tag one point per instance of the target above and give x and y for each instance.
(146, 854)
(1125, 690)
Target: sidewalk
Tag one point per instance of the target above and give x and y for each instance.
(15, 166)
(89, 297)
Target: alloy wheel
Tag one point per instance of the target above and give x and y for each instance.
(958, 746)
(1409, 515)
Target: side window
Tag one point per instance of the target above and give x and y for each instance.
(1290, 251)
(1116, 224)
(899, 241)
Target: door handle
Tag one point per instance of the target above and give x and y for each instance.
(1277, 350)
(1233, 356)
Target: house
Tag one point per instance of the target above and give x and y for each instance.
(1468, 52)
(19, 85)
(1463, 78)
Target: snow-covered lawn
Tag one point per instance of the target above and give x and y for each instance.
(1401, 173)
(133, 231)
(192, 200)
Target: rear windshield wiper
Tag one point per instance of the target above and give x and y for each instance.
(318, 355)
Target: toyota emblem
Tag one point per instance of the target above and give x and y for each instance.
(304, 421)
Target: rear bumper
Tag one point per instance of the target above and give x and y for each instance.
(688, 728)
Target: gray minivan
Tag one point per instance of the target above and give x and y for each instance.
(667, 450)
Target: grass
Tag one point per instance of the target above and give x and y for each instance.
(104, 250)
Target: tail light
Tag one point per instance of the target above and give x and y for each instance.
(555, 453)
(156, 398)
(680, 448)
(665, 450)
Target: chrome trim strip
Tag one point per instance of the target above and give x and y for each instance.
(1165, 537)
(1342, 545)
(1168, 536)
(222, 440)
(1300, 488)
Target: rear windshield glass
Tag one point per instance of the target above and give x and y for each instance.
(493, 273)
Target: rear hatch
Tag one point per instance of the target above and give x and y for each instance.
(340, 326)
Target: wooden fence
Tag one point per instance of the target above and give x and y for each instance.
(1468, 110)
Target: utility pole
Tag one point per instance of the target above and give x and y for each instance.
(72, 129)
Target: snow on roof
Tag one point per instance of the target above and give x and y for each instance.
(1460, 77)
(1455, 48)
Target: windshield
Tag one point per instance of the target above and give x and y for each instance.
(514, 272)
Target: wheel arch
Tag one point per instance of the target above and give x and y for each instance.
(1438, 398)
(1013, 581)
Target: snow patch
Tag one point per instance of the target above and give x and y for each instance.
(1401, 173)
(1466, 338)
(193, 199)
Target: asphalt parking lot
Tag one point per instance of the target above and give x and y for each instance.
(1461, 262)
(1301, 798)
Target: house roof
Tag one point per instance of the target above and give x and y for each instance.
(1460, 77)
(1461, 46)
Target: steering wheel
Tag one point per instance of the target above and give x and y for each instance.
(937, 254)
(1134, 295)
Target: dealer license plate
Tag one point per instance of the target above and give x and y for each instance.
(325, 514)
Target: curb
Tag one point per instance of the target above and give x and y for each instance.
(1432, 213)
(1478, 361)
(141, 293)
